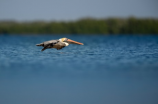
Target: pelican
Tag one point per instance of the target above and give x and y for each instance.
(58, 44)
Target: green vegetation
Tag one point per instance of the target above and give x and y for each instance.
(82, 26)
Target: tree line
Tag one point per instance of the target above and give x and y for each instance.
(83, 26)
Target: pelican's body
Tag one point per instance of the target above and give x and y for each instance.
(58, 44)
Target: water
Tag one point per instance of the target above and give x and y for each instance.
(105, 70)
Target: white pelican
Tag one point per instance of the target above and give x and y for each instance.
(58, 44)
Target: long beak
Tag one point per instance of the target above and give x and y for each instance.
(74, 42)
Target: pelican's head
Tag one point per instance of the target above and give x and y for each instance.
(69, 41)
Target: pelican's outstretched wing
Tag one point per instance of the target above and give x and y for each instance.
(48, 44)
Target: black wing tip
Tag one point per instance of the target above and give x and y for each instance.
(40, 44)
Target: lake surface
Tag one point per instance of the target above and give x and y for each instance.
(105, 70)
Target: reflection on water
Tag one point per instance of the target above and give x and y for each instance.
(106, 69)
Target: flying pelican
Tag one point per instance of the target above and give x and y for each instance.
(58, 44)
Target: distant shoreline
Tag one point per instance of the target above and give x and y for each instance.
(83, 26)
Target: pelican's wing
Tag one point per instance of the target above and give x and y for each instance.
(47, 43)
(50, 42)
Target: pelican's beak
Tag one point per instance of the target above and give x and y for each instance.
(73, 42)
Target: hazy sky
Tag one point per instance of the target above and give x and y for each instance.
(24, 10)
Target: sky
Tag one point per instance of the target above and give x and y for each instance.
(30, 10)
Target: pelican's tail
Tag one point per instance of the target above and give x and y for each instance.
(41, 44)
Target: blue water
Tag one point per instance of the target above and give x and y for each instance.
(105, 70)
